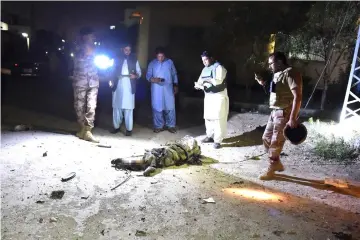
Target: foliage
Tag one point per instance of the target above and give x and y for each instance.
(329, 35)
(334, 148)
(244, 28)
(241, 33)
(329, 24)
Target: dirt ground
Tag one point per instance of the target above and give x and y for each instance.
(170, 204)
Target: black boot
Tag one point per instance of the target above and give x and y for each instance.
(207, 140)
(115, 130)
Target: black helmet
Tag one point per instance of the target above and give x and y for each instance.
(296, 135)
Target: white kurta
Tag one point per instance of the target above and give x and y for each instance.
(216, 105)
(216, 108)
(123, 98)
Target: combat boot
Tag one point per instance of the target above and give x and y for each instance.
(275, 166)
(80, 134)
(88, 135)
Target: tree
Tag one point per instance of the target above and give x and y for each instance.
(327, 34)
(242, 31)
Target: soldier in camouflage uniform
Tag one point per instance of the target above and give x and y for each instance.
(285, 102)
(86, 85)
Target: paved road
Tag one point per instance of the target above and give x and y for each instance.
(167, 206)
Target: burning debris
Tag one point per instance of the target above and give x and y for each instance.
(184, 151)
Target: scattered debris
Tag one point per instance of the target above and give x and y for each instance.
(103, 232)
(41, 220)
(291, 232)
(255, 235)
(339, 183)
(280, 200)
(154, 182)
(142, 208)
(343, 236)
(149, 171)
(121, 183)
(278, 232)
(68, 177)
(40, 201)
(143, 219)
(238, 183)
(257, 157)
(45, 154)
(208, 200)
(57, 194)
(104, 146)
(284, 154)
(85, 197)
(52, 219)
(140, 233)
(22, 127)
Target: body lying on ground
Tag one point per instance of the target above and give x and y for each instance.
(184, 151)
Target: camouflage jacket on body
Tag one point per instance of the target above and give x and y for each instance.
(180, 152)
(85, 71)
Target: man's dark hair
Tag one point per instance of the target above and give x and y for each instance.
(279, 56)
(126, 44)
(207, 54)
(159, 50)
(86, 31)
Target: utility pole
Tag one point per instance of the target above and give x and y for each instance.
(32, 24)
(351, 107)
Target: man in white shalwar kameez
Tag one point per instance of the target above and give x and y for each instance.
(127, 72)
(216, 103)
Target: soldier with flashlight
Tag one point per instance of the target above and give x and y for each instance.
(86, 85)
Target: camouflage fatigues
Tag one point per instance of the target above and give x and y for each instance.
(281, 99)
(86, 85)
(183, 151)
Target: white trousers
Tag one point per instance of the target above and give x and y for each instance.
(216, 129)
(123, 114)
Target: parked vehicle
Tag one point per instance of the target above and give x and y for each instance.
(31, 65)
(16, 57)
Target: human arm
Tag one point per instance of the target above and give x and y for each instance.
(295, 84)
(138, 69)
(150, 75)
(174, 74)
(260, 80)
(199, 84)
(174, 77)
(138, 72)
(220, 74)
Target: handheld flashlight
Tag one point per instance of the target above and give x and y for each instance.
(103, 62)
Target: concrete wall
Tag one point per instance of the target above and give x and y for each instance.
(313, 69)
(162, 19)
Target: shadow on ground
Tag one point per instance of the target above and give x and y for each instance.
(319, 184)
(246, 139)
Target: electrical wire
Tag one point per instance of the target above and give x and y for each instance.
(328, 61)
